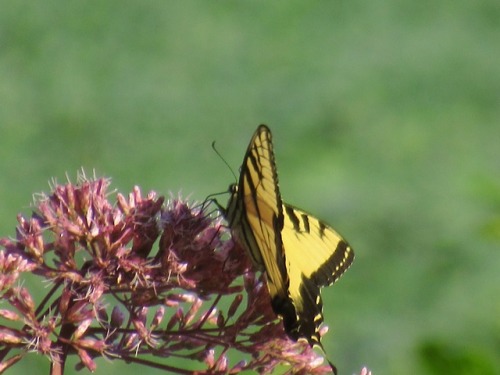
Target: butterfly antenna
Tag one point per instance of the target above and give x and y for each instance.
(224, 161)
(212, 197)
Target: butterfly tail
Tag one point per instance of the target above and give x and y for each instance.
(334, 369)
(318, 344)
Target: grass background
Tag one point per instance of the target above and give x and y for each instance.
(385, 117)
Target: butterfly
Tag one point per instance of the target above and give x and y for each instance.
(298, 252)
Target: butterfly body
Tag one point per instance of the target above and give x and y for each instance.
(298, 252)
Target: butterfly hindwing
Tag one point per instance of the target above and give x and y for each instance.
(320, 257)
(299, 253)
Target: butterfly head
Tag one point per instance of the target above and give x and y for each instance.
(233, 188)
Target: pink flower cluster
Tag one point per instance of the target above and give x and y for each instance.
(142, 280)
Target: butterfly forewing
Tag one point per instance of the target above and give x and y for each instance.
(255, 211)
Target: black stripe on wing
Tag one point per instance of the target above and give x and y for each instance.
(341, 256)
(335, 265)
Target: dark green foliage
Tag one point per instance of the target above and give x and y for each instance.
(447, 358)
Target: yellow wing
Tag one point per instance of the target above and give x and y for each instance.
(316, 256)
(255, 213)
(298, 252)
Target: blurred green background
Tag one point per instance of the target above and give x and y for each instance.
(385, 117)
